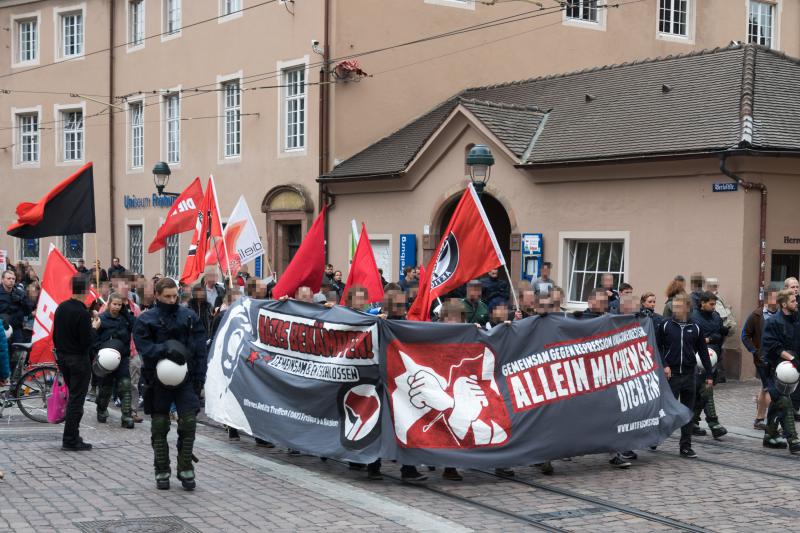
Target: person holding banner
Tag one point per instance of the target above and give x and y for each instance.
(174, 333)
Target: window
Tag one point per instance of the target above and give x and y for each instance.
(28, 132)
(136, 23)
(588, 260)
(29, 250)
(72, 134)
(172, 16)
(760, 23)
(135, 248)
(672, 15)
(27, 40)
(136, 111)
(231, 6)
(583, 10)
(71, 34)
(72, 246)
(295, 108)
(172, 257)
(784, 265)
(232, 104)
(172, 114)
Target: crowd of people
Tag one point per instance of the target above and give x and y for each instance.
(147, 321)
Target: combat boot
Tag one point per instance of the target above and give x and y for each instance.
(187, 425)
(124, 388)
(159, 428)
(103, 397)
(773, 442)
(717, 430)
(697, 431)
(794, 446)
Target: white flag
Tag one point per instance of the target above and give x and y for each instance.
(240, 238)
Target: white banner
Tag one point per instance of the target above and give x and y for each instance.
(241, 238)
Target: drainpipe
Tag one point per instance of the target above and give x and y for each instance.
(111, 126)
(749, 186)
(323, 115)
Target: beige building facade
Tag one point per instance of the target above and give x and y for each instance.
(236, 88)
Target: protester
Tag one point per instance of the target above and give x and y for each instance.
(476, 311)
(93, 273)
(751, 338)
(72, 340)
(676, 286)
(543, 283)
(527, 300)
(199, 304)
(15, 304)
(214, 291)
(327, 276)
(612, 295)
(597, 304)
(614, 306)
(696, 284)
(242, 276)
(678, 341)
(781, 342)
(647, 307)
(170, 332)
(114, 331)
(116, 269)
(336, 283)
(452, 312)
(713, 333)
(494, 288)
(80, 266)
(409, 278)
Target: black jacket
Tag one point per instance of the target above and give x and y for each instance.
(781, 333)
(711, 327)
(119, 328)
(162, 323)
(16, 305)
(653, 316)
(495, 290)
(72, 329)
(678, 343)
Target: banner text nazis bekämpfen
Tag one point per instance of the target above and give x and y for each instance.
(343, 384)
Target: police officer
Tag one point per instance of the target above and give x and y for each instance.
(116, 324)
(169, 331)
(781, 342)
(14, 303)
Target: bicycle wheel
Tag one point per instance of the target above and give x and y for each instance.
(33, 390)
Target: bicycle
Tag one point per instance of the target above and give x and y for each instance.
(29, 386)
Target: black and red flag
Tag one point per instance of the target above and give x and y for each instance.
(66, 209)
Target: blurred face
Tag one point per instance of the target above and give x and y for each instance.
(556, 296)
(500, 313)
(199, 294)
(713, 288)
(598, 303)
(607, 281)
(545, 272)
(121, 286)
(304, 294)
(9, 279)
(211, 278)
(772, 301)
(170, 296)
(360, 299)
(627, 291)
(680, 310)
(473, 292)
(650, 303)
(705, 306)
(115, 306)
(397, 307)
(628, 304)
(682, 284)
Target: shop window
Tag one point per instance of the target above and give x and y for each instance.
(784, 265)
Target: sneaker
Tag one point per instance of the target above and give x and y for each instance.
(697, 431)
(451, 474)
(630, 455)
(773, 442)
(759, 424)
(506, 472)
(619, 462)
(688, 453)
(79, 446)
(264, 443)
(717, 431)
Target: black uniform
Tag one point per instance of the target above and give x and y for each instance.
(150, 333)
(72, 340)
(781, 334)
(117, 328)
(711, 328)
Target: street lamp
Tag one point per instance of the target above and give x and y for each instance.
(480, 161)
(161, 173)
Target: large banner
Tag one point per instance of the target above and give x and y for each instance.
(339, 383)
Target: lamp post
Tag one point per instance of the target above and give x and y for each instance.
(161, 173)
(480, 161)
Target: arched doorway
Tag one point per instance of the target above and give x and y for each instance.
(288, 209)
(495, 212)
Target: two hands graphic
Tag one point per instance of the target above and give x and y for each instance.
(466, 403)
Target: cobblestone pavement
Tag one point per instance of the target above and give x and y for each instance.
(735, 485)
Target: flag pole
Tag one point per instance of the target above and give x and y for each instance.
(96, 264)
(224, 245)
(511, 287)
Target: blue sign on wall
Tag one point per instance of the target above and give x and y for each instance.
(259, 267)
(408, 251)
(725, 186)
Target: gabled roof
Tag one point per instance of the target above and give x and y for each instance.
(706, 101)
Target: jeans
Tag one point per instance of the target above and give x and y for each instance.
(683, 387)
(77, 372)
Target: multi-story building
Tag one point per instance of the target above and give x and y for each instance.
(237, 89)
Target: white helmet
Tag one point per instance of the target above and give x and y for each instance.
(786, 377)
(9, 331)
(107, 361)
(711, 355)
(171, 374)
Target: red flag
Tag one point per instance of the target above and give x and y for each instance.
(56, 287)
(208, 230)
(91, 296)
(308, 264)
(364, 270)
(181, 216)
(66, 209)
(468, 249)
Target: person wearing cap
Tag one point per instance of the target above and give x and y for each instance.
(475, 310)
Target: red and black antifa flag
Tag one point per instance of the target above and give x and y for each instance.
(344, 384)
(65, 210)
